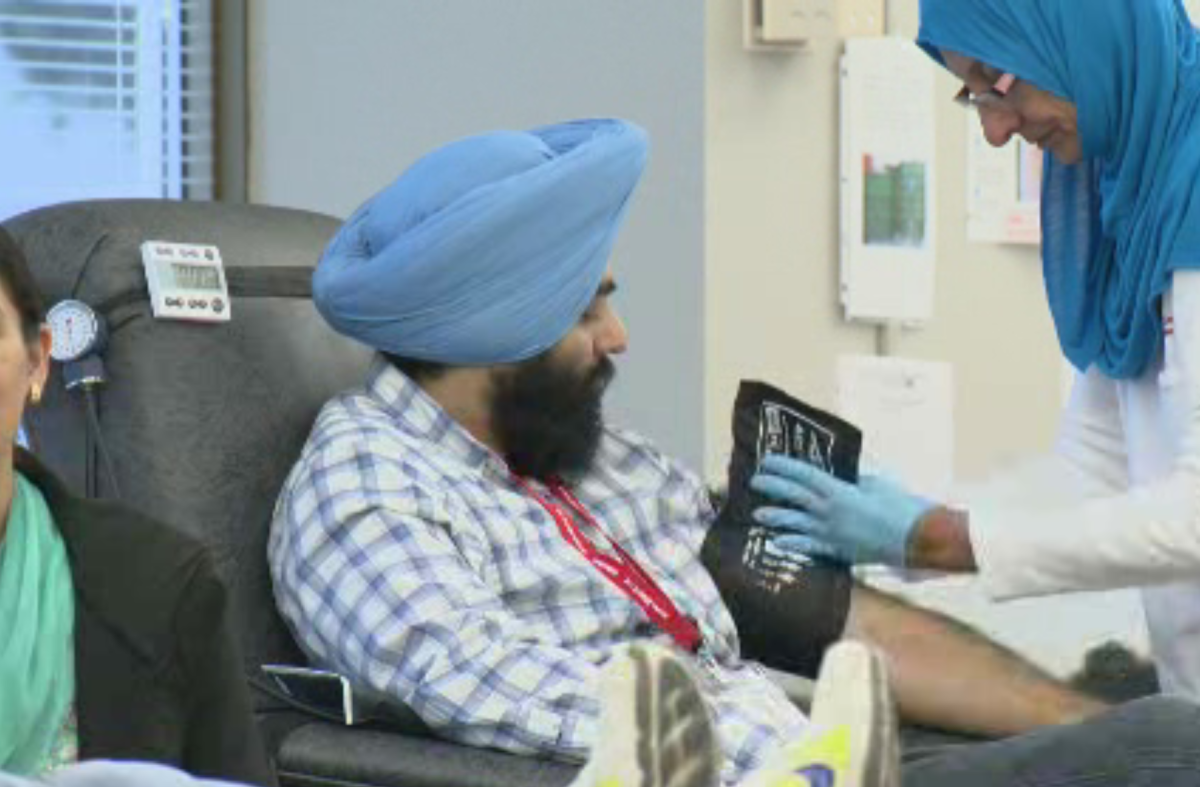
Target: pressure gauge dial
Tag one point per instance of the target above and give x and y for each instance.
(77, 330)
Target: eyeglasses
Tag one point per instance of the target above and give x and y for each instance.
(990, 97)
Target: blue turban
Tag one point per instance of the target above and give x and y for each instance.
(1116, 225)
(487, 250)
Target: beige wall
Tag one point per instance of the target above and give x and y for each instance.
(771, 239)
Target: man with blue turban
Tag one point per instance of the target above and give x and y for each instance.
(487, 250)
(467, 536)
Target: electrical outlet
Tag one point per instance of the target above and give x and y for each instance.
(858, 18)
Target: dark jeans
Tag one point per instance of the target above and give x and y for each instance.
(917, 743)
(1152, 742)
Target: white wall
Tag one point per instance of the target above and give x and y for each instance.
(772, 240)
(344, 95)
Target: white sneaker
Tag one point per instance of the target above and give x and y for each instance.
(853, 741)
(655, 730)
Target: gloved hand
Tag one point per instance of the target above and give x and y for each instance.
(865, 523)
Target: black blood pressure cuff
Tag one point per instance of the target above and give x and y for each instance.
(788, 608)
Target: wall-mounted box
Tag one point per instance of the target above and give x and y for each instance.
(776, 24)
(787, 25)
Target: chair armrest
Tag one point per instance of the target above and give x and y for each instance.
(328, 755)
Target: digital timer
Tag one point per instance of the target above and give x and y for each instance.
(187, 281)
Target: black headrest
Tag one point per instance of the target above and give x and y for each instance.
(203, 422)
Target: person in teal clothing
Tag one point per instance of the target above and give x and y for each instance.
(1110, 90)
(37, 666)
(37, 595)
(91, 664)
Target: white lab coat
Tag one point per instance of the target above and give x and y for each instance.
(1118, 504)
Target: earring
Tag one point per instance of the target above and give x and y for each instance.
(35, 394)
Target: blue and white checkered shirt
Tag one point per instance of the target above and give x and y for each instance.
(405, 556)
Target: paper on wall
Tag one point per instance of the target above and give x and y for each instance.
(905, 410)
(888, 237)
(1003, 189)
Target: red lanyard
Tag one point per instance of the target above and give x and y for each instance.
(619, 568)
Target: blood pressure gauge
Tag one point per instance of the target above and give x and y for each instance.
(77, 331)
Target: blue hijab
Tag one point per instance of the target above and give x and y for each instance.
(486, 250)
(1116, 225)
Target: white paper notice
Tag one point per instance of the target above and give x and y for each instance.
(905, 410)
(888, 239)
(1004, 188)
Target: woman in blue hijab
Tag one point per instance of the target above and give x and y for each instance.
(1110, 90)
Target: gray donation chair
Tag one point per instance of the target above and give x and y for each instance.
(203, 423)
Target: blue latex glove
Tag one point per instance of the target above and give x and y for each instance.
(865, 523)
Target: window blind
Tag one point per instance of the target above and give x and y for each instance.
(105, 98)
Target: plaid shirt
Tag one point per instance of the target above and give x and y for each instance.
(405, 556)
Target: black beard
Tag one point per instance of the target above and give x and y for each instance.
(549, 418)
